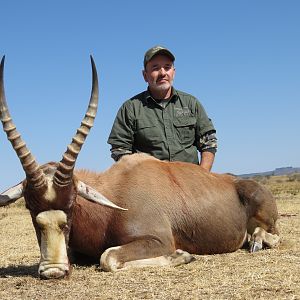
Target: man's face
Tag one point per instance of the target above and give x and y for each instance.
(159, 73)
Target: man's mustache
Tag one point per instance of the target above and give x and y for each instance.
(160, 78)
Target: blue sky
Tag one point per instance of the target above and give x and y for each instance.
(239, 58)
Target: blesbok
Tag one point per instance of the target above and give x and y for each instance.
(173, 208)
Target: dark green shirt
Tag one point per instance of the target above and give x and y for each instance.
(169, 133)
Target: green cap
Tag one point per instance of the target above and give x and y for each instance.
(157, 50)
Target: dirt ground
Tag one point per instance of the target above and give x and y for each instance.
(269, 274)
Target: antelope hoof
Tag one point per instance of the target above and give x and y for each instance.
(182, 256)
(255, 246)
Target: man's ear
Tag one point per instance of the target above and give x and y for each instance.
(145, 75)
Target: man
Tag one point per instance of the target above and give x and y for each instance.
(162, 121)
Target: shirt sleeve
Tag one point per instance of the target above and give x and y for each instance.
(117, 153)
(208, 142)
(206, 139)
(121, 135)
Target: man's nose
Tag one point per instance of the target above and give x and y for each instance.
(162, 71)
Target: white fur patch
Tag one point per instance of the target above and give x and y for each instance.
(260, 235)
(50, 194)
(53, 245)
(107, 261)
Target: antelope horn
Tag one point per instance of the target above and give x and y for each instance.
(11, 195)
(64, 172)
(35, 176)
(88, 193)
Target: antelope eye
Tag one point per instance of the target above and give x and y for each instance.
(62, 225)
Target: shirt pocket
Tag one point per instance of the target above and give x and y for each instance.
(185, 128)
(147, 131)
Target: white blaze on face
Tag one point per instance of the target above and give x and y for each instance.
(50, 194)
(54, 261)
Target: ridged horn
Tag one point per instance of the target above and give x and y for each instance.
(64, 172)
(35, 176)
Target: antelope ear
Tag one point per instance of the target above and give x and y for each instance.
(91, 194)
(11, 195)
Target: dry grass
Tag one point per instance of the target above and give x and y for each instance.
(269, 274)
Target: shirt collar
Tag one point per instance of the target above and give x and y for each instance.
(147, 95)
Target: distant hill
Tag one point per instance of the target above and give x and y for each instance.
(276, 172)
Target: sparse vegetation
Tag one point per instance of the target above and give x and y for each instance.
(294, 177)
(281, 185)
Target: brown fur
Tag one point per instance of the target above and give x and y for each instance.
(170, 205)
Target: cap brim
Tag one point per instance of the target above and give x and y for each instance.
(164, 52)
